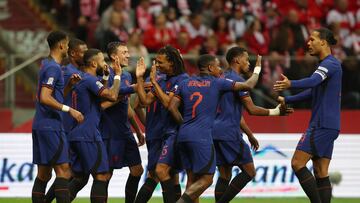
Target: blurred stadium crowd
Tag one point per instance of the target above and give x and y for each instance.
(275, 28)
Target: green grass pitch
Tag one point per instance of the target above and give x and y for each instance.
(204, 200)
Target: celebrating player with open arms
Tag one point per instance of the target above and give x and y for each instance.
(323, 88)
(231, 149)
(115, 127)
(199, 96)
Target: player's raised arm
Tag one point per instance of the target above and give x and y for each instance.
(72, 81)
(113, 92)
(252, 109)
(145, 98)
(251, 82)
(162, 96)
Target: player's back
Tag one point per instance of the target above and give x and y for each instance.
(68, 121)
(86, 99)
(326, 97)
(229, 111)
(50, 76)
(200, 96)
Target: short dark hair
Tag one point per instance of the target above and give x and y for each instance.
(173, 55)
(74, 43)
(55, 37)
(89, 55)
(234, 52)
(112, 47)
(327, 35)
(205, 60)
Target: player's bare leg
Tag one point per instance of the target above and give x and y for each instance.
(39, 187)
(306, 178)
(194, 191)
(321, 168)
(190, 180)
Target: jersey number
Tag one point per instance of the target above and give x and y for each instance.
(197, 102)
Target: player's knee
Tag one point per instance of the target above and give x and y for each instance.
(162, 172)
(137, 170)
(63, 171)
(101, 176)
(251, 173)
(296, 165)
(44, 176)
(208, 181)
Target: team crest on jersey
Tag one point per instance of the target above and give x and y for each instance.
(50, 81)
(99, 84)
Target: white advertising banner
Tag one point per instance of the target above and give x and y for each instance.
(272, 161)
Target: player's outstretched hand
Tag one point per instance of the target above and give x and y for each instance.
(75, 78)
(140, 67)
(254, 142)
(76, 115)
(281, 85)
(141, 139)
(153, 73)
(281, 100)
(117, 66)
(285, 110)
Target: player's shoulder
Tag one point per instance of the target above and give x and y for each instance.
(330, 62)
(232, 75)
(48, 64)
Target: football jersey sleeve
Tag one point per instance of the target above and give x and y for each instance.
(178, 90)
(95, 86)
(51, 76)
(225, 84)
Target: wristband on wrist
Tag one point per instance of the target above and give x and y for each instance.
(274, 112)
(117, 77)
(257, 70)
(65, 108)
(105, 77)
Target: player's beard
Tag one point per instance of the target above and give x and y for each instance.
(99, 71)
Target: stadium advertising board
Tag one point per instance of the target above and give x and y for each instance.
(274, 174)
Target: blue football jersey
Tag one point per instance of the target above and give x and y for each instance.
(86, 99)
(50, 75)
(68, 121)
(229, 112)
(326, 97)
(200, 96)
(154, 125)
(114, 120)
(170, 84)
